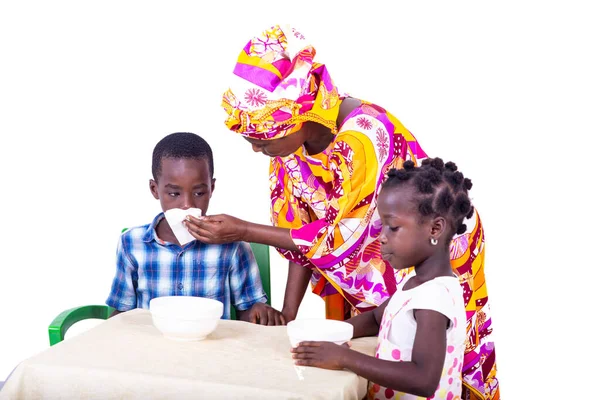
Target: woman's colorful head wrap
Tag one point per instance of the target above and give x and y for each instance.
(276, 85)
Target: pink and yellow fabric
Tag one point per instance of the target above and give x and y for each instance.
(328, 200)
(276, 86)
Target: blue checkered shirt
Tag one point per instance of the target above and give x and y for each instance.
(148, 267)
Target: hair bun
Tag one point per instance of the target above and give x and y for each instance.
(398, 174)
(451, 166)
(408, 165)
(467, 184)
(438, 164)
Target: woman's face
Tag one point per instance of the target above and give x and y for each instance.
(279, 147)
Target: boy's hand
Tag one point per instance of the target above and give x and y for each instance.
(216, 229)
(263, 314)
(326, 355)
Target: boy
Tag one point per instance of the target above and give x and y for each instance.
(152, 263)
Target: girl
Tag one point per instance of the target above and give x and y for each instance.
(422, 327)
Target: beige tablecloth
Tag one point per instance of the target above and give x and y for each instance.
(126, 357)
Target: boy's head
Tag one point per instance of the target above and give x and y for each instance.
(420, 206)
(182, 168)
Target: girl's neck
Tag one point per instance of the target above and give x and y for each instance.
(436, 266)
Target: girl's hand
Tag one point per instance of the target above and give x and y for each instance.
(216, 229)
(326, 355)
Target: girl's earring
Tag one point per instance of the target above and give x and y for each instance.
(433, 241)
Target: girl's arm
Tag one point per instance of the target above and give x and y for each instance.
(367, 324)
(421, 376)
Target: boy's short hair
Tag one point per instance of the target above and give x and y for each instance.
(181, 145)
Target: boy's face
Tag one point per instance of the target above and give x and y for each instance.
(183, 183)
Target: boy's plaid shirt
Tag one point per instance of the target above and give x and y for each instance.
(147, 267)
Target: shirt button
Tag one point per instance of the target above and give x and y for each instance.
(180, 286)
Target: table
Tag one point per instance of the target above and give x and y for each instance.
(126, 357)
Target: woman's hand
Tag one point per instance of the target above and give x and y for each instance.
(217, 229)
(326, 355)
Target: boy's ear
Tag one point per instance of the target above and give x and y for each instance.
(212, 185)
(153, 188)
(438, 227)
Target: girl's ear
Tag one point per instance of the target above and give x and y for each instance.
(153, 188)
(438, 227)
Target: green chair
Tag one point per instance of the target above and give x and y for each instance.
(64, 320)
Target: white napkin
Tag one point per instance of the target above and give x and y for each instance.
(175, 218)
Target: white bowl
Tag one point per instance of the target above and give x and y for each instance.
(185, 318)
(322, 330)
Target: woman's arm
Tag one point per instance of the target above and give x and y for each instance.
(271, 235)
(297, 282)
(223, 228)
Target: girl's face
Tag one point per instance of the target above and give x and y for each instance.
(405, 234)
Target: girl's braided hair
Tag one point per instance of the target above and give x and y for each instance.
(441, 190)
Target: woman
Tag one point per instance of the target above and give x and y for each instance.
(329, 156)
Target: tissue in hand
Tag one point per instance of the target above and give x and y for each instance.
(175, 218)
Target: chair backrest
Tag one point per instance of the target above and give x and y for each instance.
(261, 253)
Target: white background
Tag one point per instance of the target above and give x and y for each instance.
(509, 90)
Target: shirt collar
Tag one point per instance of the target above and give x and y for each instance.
(150, 233)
